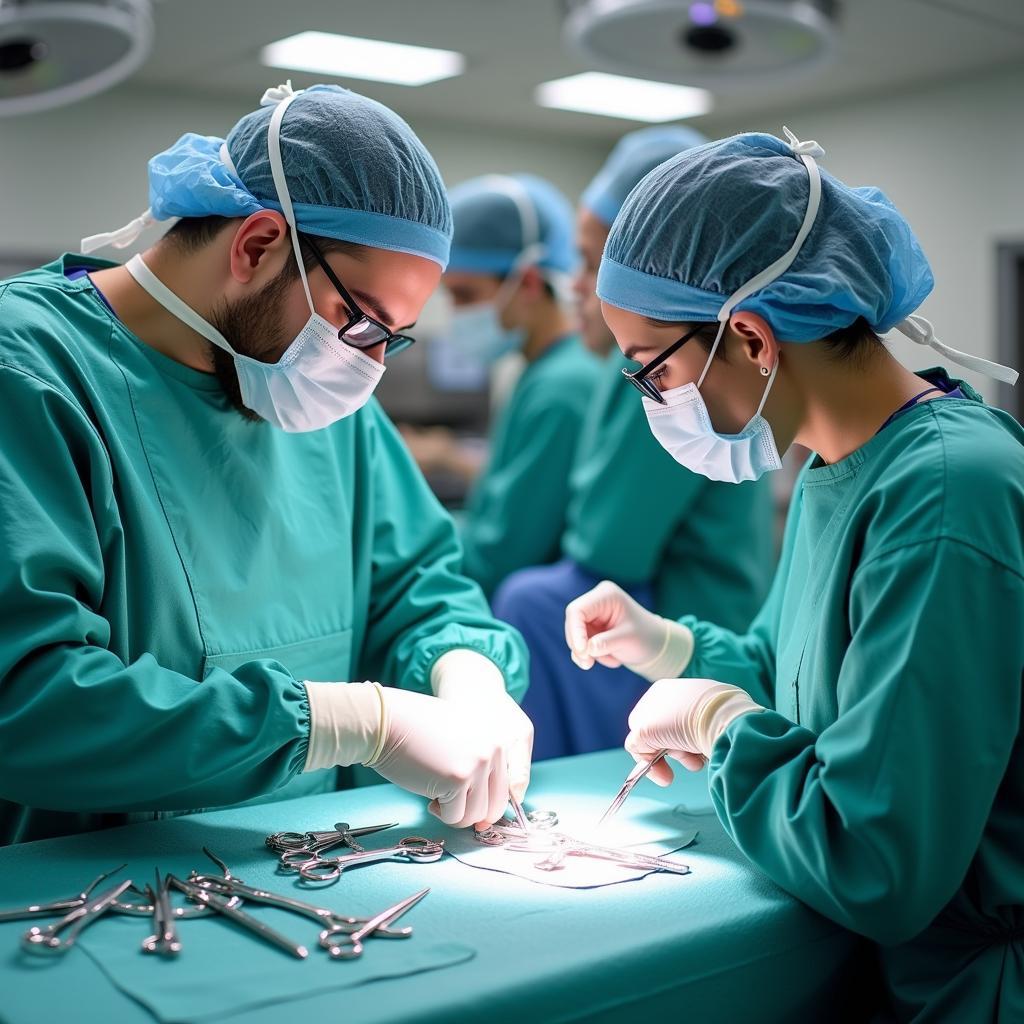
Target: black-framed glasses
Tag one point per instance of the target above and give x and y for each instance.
(638, 378)
(362, 331)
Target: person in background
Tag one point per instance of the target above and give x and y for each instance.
(512, 256)
(864, 734)
(206, 520)
(675, 541)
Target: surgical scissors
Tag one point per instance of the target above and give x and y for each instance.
(314, 868)
(348, 947)
(313, 843)
(49, 940)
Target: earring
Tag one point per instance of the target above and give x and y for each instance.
(765, 371)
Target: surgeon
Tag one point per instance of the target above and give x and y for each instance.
(675, 541)
(511, 260)
(221, 575)
(864, 735)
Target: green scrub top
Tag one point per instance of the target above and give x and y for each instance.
(886, 788)
(170, 572)
(516, 510)
(636, 516)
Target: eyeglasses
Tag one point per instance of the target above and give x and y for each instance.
(638, 378)
(361, 331)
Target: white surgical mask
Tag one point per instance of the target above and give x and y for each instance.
(476, 334)
(683, 425)
(683, 428)
(477, 337)
(319, 379)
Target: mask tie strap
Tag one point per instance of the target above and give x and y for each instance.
(283, 96)
(121, 237)
(921, 332)
(806, 152)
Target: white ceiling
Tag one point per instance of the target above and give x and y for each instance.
(211, 47)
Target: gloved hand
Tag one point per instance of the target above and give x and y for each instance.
(684, 717)
(474, 683)
(606, 625)
(425, 745)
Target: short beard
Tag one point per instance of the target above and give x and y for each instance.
(252, 328)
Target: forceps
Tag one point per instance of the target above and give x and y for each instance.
(164, 939)
(312, 844)
(61, 906)
(229, 908)
(49, 939)
(639, 771)
(562, 846)
(314, 868)
(226, 884)
(348, 947)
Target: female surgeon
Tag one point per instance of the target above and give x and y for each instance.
(864, 736)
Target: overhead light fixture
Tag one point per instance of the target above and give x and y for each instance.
(730, 46)
(54, 53)
(634, 99)
(324, 53)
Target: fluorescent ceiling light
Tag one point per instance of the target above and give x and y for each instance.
(324, 53)
(634, 99)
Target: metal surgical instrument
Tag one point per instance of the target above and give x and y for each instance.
(332, 923)
(164, 939)
(54, 907)
(317, 842)
(348, 947)
(230, 910)
(325, 869)
(639, 771)
(50, 940)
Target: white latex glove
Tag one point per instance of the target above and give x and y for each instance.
(684, 717)
(607, 626)
(425, 745)
(475, 684)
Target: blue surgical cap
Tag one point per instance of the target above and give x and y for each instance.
(497, 217)
(356, 172)
(700, 226)
(634, 156)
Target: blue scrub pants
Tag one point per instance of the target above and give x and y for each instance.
(573, 711)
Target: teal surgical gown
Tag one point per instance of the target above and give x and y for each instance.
(636, 517)
(517, 507)
(886, 786)
(170, 573)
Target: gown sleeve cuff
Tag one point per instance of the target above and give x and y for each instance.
(347, 724)
(675, 654)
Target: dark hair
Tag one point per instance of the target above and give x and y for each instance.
(190, 234)
(854, 344)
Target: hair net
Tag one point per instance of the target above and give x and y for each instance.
(355, 170)
(634, 156)
(499, 219)
(701, 225)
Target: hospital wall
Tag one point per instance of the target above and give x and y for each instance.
(952, 159)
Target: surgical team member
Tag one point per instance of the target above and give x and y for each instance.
(864, 736)
(675, 541)
(512, 254)
(205, 518)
